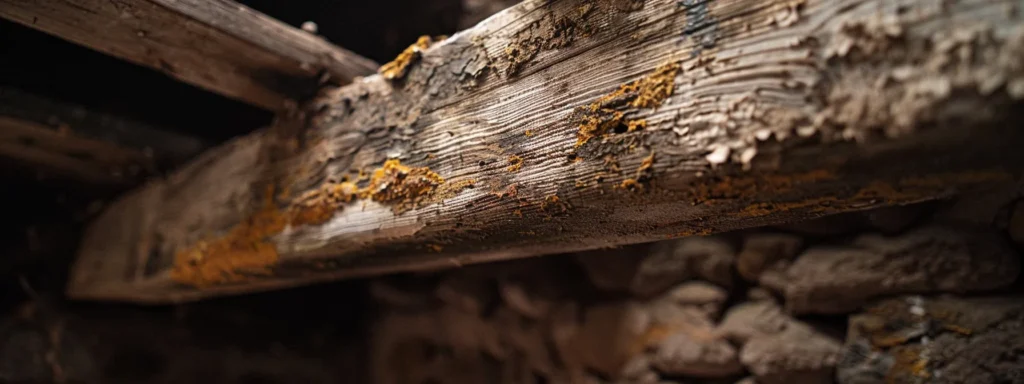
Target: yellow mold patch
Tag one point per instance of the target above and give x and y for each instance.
(397, 68)
(636, 183)
(246, 249)
(515, 162)
(243, 251)
(395, 183)
(607, 112)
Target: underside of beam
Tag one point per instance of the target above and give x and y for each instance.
(218, 45)
(565, 125)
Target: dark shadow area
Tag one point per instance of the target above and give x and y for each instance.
(310, 335)
(53, 68)
(378, 30)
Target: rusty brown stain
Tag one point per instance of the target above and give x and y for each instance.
(631, 185)
(724, 188)
(907, 190)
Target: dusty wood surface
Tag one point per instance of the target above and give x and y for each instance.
(76, 143)
(565, 125)
(218, 45)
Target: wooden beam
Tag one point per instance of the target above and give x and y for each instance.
(218, 45)
(559, 126)
(78, 144)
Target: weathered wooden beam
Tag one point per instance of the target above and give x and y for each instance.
(218, 45)
(84, 145)
(565, 125)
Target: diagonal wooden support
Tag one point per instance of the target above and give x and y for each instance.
(565, 125)
(218, 45)
(87, 146)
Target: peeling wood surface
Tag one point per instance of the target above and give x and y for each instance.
(218, 45)
(76, 143)
(559, 126)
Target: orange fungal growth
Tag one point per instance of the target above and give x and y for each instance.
(607, 113)
(246, 250)
(515, 162)
(243, 251)
(397, 68)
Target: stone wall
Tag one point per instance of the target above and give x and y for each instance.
(918, 294)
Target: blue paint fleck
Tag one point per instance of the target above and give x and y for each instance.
(701, 27)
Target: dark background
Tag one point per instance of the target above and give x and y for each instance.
(302, 335)
(45, 212)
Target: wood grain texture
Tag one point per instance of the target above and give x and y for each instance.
(567, 125)
(218, 45)
(79, 144)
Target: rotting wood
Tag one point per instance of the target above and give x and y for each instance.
(779, 110)
(218, 45)
(92, 147)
